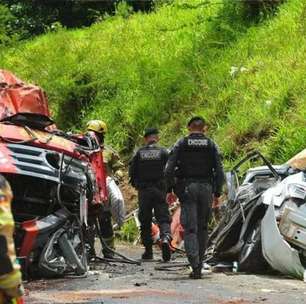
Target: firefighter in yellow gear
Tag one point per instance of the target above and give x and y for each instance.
(115, 206)
(10, 275)
(111, 158)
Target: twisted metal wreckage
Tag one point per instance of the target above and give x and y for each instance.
(263, 227)
(59, 186)
(58, 181)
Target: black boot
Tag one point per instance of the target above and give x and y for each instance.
(108, 247)
(166, 251)
(148, 254)
(196, 273)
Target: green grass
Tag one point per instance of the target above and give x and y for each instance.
(129, 231)
(160, 68)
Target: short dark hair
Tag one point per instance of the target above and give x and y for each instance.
(150, 131)
(197, 121)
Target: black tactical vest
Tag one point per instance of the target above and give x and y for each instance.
(195, 158)
(151, 163)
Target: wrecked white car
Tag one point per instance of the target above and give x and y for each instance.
(264, 223)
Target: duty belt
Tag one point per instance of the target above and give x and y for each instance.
(196, 180)
(147, 184)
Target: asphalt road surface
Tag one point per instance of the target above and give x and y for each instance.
(130, 284)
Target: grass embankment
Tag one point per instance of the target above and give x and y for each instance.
(187, 58)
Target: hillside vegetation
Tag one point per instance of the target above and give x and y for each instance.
(191, 57)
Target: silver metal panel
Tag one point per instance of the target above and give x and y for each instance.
(298, 218)
(283, 190)
(279, 254)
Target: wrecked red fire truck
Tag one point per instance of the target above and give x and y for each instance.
(57, 180)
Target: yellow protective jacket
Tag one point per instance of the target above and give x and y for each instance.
(10, 275)
(112, 162)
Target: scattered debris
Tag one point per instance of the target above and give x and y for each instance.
(140, 284)
(234, 301)
(268, 290)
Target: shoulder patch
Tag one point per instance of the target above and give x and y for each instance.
(197, 142)
(150, 154)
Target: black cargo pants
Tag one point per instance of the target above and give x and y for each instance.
(196, 201)
(106, 232)
(152, 198)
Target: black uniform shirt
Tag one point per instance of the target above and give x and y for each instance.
(148, 164)
(196, 157)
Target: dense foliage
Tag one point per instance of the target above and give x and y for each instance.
(257, 8)
(7, 33)
(33, 17)
(189, 57)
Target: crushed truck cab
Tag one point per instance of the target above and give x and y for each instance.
(56, 178)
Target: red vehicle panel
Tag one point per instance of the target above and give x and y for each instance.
(18, 97)
(47, 168)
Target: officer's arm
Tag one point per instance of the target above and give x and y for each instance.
(218, 171)
(133, 170)
(171, 165)
(165, 156)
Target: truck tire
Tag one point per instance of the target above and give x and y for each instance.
(77, 260)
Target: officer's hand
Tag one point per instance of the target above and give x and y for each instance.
(216, 202)
(171, 198)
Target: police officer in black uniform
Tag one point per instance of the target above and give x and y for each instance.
(194, 171)
(146, 173)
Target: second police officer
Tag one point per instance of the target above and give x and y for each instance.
(147, 176)
(194, 171)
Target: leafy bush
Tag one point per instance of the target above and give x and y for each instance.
(36, 17)
(255, 8)
(129, 231)
(6, 32)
